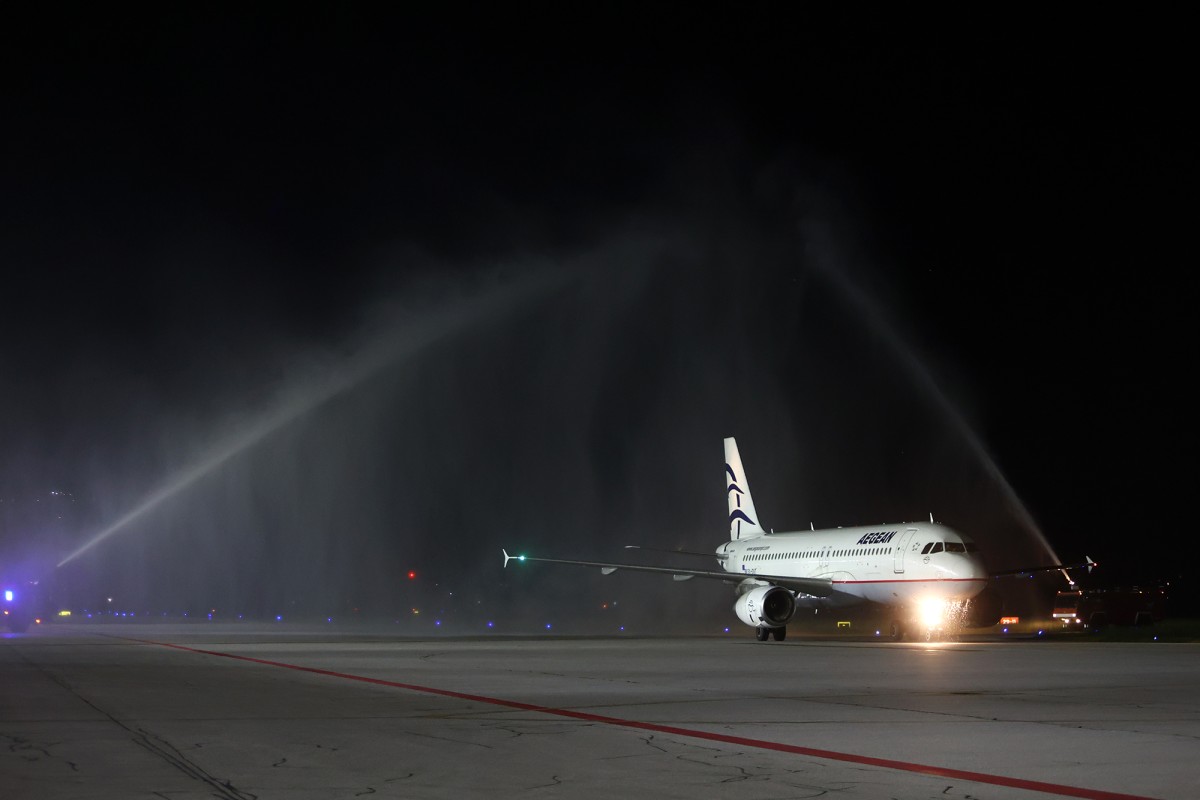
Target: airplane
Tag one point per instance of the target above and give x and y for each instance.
(927, 571)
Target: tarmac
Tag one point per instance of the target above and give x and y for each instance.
(266, 711)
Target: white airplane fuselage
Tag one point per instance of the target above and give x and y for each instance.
(897, 564)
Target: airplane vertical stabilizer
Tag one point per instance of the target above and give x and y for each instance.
(743, 519)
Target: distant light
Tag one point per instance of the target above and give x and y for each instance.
(622, 628)
(437, 622)
(278, 617)
(210, 615)
(412, 573)
(1006, 630)
(38, 620)
(521, 558)
(877, 633)
(89, 616)
(491, 624)
(1040, 633)
(727, 630)
(547, 626)
(329, 619)
(110, 599)
(8, 595)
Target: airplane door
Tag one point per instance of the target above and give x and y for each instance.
(902, 547)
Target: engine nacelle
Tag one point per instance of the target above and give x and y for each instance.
(766, 607)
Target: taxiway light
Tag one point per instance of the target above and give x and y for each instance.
(8, 595)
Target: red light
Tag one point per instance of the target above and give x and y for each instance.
(412, 574)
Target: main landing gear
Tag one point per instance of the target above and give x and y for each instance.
(763, 634)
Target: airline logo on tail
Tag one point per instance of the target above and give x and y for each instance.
(736, 515)
(743, 522)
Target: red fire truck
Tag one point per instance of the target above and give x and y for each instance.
(1096, 608)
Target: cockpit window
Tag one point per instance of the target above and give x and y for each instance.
(955, 547)
(928, 547)
(937, 547)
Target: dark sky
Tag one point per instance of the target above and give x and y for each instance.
(829, 236)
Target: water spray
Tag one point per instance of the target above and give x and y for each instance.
(924, 379)
(419, 333)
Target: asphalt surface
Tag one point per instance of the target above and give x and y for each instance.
(243, 711)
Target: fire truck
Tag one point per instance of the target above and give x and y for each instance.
(1095, 608)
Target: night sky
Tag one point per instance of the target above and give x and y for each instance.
(516, 274)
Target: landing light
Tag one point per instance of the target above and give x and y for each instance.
(931, 612)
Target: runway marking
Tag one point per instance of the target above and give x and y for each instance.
(1061, 790)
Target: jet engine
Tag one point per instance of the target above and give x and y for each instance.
(766, 606)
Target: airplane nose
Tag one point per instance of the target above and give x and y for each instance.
(976, 569)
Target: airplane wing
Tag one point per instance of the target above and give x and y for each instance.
(817, 587)
(1087, 563)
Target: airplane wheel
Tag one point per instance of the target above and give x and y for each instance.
(780, 633)
(896, 631)
(762, 634)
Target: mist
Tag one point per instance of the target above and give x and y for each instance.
(289, 328)
(563, 404)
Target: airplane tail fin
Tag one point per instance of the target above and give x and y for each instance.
(743, 519)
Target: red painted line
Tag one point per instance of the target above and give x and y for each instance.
(761, 744)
